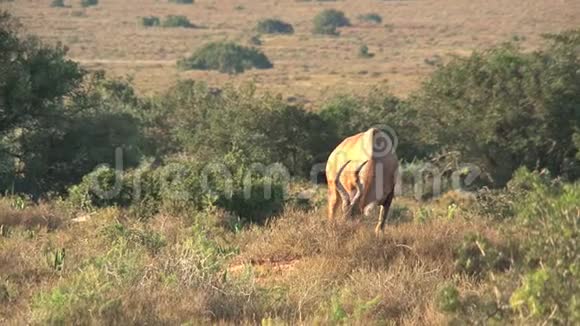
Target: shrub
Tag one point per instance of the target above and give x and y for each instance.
(363, 52)
(328, 20)
(177, 21)
(487, 106)
(371, 18)
(274, 26)
(150, 21)
(543, 286)
(477, 256)
(85, 195)
(547, 215)
(239, 122)
(182, 187)
(448, 298)
(57, 4)
(225, 57)
(89, 3)
(184, 2)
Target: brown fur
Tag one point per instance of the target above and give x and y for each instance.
(359, 173)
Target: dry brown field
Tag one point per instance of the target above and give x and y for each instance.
(306, 66)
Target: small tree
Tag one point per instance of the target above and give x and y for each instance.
(328, 20)
(274, 26)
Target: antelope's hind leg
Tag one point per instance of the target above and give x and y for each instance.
(384, 212)
(333, 201)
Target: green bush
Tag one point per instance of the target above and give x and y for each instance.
(150, 21)
(57, 4)
(477, 256)
(225, 57)
(177, 21)
(371, 18)
(84, 195)
(542, 284)
(503, 108)
(327, 21)
(89, 3)
(182, 187)
(548, 217)
(274, 26)
(363, 52)
(448, 299)
(184, 2)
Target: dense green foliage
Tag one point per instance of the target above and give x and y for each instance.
(226, 57)
(503, 108)
(183, 186)
(260, 128)
(57, 122)
(328, 20)
(274, 26)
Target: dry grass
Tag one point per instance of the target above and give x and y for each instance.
(393, 278)
(43, 215)
(170, 270)
(305, 66)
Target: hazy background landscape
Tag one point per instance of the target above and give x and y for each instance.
(309, 67)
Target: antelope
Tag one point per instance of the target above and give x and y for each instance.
(361, 173)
